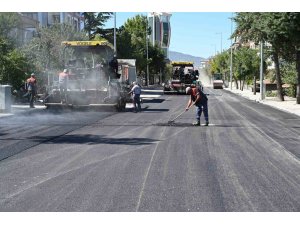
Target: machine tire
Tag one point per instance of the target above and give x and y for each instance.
(121, 105)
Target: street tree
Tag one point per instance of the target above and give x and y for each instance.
(45, 50)
(94, 23)
(247, 64)
(136, 27)
(291, 28)
(9, 22)
(13, 63)
(264, 27)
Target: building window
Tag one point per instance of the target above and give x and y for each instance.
(165, 34)
(56, 18)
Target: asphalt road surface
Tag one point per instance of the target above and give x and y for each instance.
(246, 160)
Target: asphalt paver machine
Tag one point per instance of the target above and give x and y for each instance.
(93, 80)
(183, 75)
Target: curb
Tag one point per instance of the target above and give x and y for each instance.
(263, 102)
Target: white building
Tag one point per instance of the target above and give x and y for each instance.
(161, 30)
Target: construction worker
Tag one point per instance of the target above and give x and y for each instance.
(199, 99)
(31, 89)
(63, 84)
(113, 65)
(136, 92)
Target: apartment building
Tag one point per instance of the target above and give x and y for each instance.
(31, 21)
(161, 30)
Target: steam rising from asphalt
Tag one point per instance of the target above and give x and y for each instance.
(42, 116)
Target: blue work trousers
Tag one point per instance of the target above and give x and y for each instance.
(202, 106)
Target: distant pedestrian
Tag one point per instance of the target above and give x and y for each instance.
(199, 99)
(63, 84)
(136, 93)
(31, 89)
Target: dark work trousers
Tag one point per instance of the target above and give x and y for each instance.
(63, 92)
(31, 98)
(202, 106)
(137, 102)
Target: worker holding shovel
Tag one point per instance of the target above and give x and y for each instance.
(199, 99)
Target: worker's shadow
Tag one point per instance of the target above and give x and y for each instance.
(146, 109)
(174, 124)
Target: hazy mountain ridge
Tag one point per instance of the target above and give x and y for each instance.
(177, 56)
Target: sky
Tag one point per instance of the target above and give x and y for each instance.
(195, 33)
(196, 25)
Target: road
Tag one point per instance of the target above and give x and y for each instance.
(246, 160)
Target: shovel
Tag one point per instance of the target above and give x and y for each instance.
(173, 120)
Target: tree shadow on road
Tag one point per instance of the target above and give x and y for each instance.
(95, 139)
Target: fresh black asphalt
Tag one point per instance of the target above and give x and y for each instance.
(246, 160)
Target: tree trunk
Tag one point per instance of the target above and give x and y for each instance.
(236, 84)
(298, 73)
(244, 79)
(278, 77)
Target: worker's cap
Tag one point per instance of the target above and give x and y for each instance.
(134, 83)
(32, 74)
(65, 70)
(188, 90)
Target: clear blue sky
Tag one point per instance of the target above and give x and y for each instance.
(194, 33)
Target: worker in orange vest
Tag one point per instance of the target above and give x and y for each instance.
(199, 99)
(31, 88)
(63, 84)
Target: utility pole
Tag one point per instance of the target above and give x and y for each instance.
(261, 83)
(115, 37)
(231, 66)
(147, 72)
(231, 58)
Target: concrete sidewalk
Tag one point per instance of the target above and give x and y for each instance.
(288, 105)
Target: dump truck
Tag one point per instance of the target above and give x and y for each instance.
(183, 75)
(93, 79)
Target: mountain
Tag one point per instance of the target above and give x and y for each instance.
(177, 56)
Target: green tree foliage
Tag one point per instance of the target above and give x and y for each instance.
(289, 76)
(9, 21)
(292, 30)
(45, 50)
(247, 64)
(282, 31)
(136, 27)
(132, 43)
(94, 22)
(266, 27)
(124, 46)
(13, 63)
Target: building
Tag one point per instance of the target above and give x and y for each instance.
(161, 30)
(31, 21)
